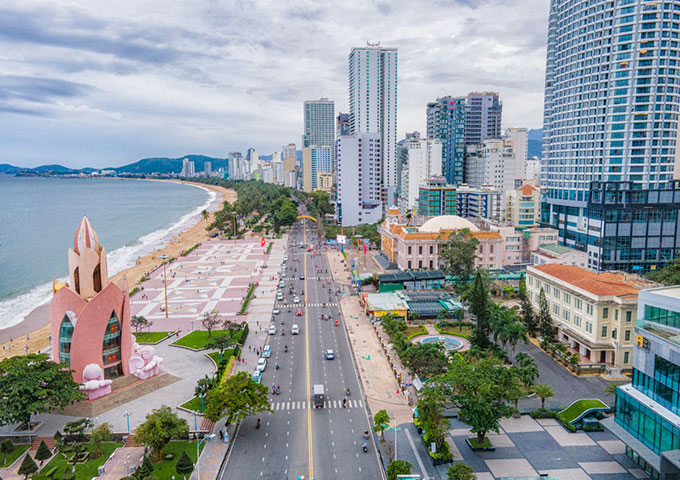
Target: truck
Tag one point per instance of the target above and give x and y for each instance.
(318, 396)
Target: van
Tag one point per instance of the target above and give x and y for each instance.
(318, 396)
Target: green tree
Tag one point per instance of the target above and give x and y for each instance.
(205, 214)
(479, 307)
(159, 427)
(527, 309)
(458, 254)
(480, 391)
(209, 320)
(139, 322)
(610, 390)
(543, 391)
(148, 464)
(431, 415)
(34, 384)
(526, 369)
(204, 385)
(669, 275)
(43, 452)
(237, 398)
(545, 321)
(221, 343)
(381, 421)
(142, 472)
(101, 433)
(184, 465)
(6, 448)
(398, 467)
(28, 466)
(426, 360)
(461, 471)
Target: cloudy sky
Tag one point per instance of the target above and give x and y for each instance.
(93, 83)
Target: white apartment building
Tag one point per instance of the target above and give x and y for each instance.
(188, 168)
(520, 148)
(359, 192)
(484, 202)
(594, 313)
(423, 161)
(319, 118)
(373, 106)
(491, 163)
(532, 169)
(523, 206)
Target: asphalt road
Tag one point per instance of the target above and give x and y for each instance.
(298, 439)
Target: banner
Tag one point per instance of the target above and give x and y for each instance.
(341, 239)
(262, 242)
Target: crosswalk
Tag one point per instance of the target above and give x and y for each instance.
(284, 406)
(300, 305)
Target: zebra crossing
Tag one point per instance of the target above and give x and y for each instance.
(300, 305)
(302, 405)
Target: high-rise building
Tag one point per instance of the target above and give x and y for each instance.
(520, 148)
(423, 160)
(609, 131)
(188, 168)
(253, 161)
(207, 169)
(485, 202)
(359, 191)
(523, 206)
(342, 124)
(446, 121)
(491, 163)
(482, 117)
(288, 151)
(314, 161)
(319, 117)
(373, 106)
(532, 169)
(436, 198)
(647, 409)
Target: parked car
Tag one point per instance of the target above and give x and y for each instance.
(267, 351)
(295, 330)
(262, 364)
(329, 354)
(272, 330)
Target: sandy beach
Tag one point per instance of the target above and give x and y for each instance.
(32, 334)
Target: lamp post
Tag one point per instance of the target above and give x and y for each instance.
(198, 458)
(127, 416)
(164, 257)
(233, 216)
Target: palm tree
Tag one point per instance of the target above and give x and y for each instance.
(610, 389)
(543, 390)
(527, 369)
(514, 333)
(205, 214)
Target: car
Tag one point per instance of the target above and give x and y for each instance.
(272, 330)
(285, 258)
(276, 311)
(282, 284)
(302, 276)
(267, 351)
(283, 274)
(279, 296)
(261, 364)
(329, 354)
(257, 375)
(299, 312)
(295, 330)
(296, 299)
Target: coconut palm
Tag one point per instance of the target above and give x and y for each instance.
(205, 214)
(513, 333)
(527, 369)
(543, 390)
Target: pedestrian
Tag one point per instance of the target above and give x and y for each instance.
(221, 434)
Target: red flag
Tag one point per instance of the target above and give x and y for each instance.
(262, 242)
(364, 249)
(358, 241)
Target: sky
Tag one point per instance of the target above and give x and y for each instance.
(93, 83)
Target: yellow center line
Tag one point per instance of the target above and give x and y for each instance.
(309, 410)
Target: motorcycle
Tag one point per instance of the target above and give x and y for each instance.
(365, 447)
(366, 434)
(285, 349)
(257, 426)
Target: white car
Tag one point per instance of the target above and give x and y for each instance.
(276, 311)
(279, 296)
(282, 284)
(295, 330)
(272, 330)
(267, 351)
(262, 364)
(296, 300)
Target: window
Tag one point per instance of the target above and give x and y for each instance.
(589, 327)
(604, 331)
(626, 336)
(409, 252)
(616, 314)
(565, 314)
(629, 316)
(567, 298)
(556, 293)
(547, 289)
(556, 308)
(431, 249)
(578, 303)
(605, 313)
(420, 250)
(626, 358)
(577, 320)
(589, 308)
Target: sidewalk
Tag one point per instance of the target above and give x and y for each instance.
(339, 270)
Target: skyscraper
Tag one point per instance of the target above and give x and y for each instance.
(314, 161)
(319, 123)
(373, 105)
(520, 146)
(289, 151)
(610, 129)
(423, 160)
(446, 121)
(358, 173)
(482, 117)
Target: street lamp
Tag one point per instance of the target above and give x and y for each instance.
(164, 257)
(198, 458)
(233, 216)
(127, 416)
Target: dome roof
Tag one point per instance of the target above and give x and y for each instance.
(447, 222)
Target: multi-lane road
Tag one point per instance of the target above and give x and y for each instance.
(298, 439)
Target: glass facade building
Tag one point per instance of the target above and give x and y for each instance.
(437, 198)
(610, 115)
(446, 121)
(647, 410)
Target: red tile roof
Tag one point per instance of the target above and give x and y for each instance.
(601, 284)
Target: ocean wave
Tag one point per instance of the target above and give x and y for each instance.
(14, 310)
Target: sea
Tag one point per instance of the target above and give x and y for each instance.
(39, 217)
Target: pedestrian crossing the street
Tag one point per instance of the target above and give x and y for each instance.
(300, 305)
(306, 405)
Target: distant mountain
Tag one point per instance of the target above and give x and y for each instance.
(164, 165)
(9, 169)
(535, 147)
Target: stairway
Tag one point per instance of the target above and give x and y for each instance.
(49, 441)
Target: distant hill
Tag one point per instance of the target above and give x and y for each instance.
(166, 165)
(535, 147)
(9, 169)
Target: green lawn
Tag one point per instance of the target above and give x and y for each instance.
(18, 451)
(150, 337)
(413, 331)
(194, 405)
(485, 444)
(84, 471)
(465, 332)
(573, 412)
(198, 339)
(166, 469)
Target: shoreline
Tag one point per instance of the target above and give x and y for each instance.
(33, 330)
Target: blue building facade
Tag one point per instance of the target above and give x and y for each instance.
(446, 121)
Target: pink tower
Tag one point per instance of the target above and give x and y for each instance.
(89, 316)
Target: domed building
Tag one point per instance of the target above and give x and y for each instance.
(90, 316)
(412, 247)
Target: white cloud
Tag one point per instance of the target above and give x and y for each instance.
(168, 78)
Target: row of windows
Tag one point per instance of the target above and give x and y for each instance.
(651, 429)
(662, 316)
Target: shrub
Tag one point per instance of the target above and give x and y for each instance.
(543, 413)
(184, 465)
